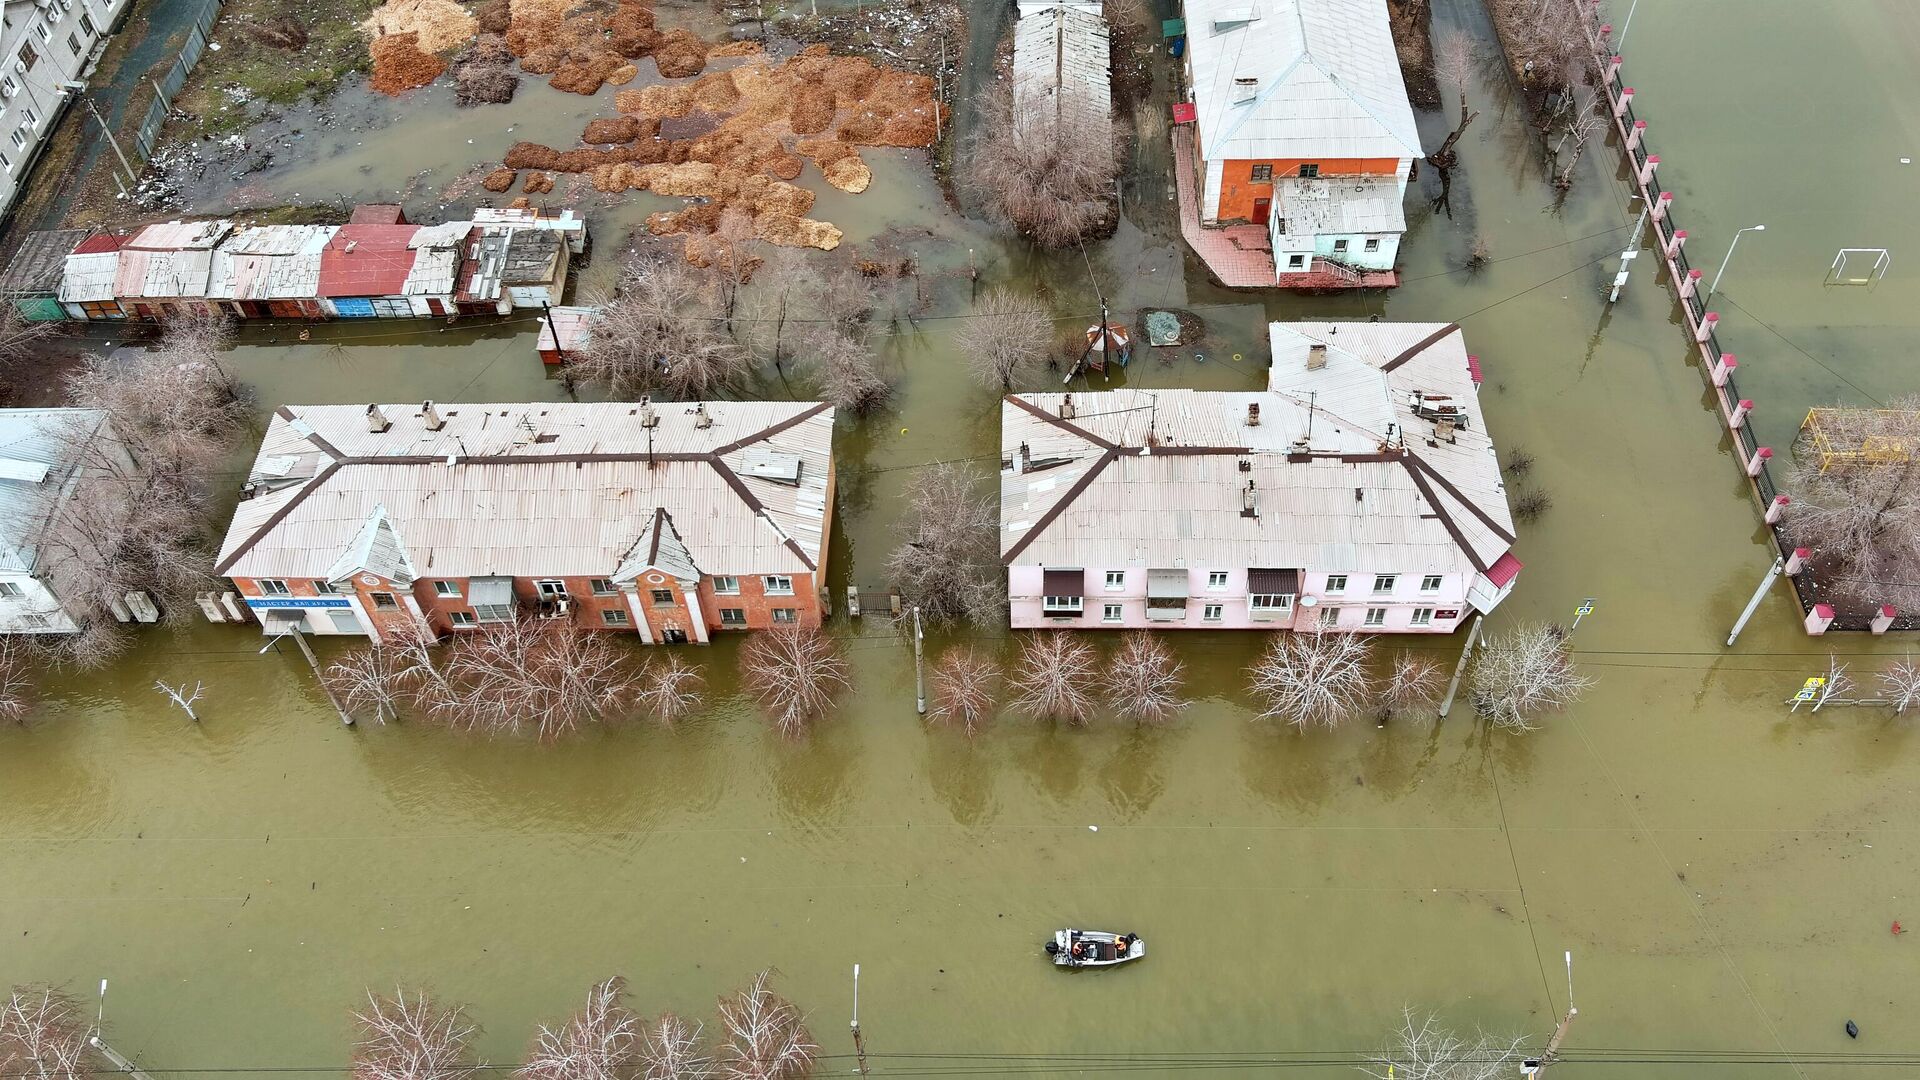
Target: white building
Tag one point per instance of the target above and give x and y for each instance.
(1062, 60)
(41, 456)
(46, 49)
(1359, 491)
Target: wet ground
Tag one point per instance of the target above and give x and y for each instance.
(1724, 873)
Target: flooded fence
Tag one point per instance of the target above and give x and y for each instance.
(147, 137)
(1720, 366)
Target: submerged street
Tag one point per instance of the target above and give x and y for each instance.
(1723, 871)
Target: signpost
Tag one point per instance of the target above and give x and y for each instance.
(1585, 609)
(1808, 691)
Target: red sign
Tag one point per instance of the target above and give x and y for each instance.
(1447, 613)
(1184, 112)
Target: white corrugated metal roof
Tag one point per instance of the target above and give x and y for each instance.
(1061, 58)
(45, 441)
(1327, 80)
(273, 262)
(1368, 483)
(540, 488)
(90, 277)
(433, 273)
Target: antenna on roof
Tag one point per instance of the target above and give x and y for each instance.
(1311, 396)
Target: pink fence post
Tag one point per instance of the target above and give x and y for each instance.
(1661, 205)
(1819, 619)
(1739, 418)
(1689, 283)
(1723, 368)
(1678, 241)
(1708, 323)
(1777, 509)
(1759, 460)
(1648, 167)
(1620, 109)
(1797, 561)
(1613, 65)
(1883, 621)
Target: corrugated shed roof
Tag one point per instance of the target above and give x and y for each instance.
(1358, 499)
(40, 263)
(46, 437)
(378, 214)
(273, 262)
(1061, 59)
(533, 488)
(97, 243)
(367, 260)
(90, 276)
(659, 548)
(434, 272)
(1327, 80)
(532, 257)
(162, 274)
(179, 236)
(574, 323)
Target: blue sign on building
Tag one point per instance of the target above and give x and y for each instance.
(298, 602)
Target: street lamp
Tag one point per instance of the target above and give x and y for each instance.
(1723, 262)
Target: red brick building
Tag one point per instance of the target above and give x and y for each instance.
(672, 521)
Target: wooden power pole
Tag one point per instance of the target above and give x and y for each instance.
(919, 669)
(859, 1044)
(1460, 668)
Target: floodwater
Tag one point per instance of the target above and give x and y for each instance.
(1724, 873)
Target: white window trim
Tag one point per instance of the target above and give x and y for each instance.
(11, 590)
(454, 619)
(1271, 602)
(792, 615)
(1422, 616)
(777, 584)
(1222, 576)
(1330, 616)
(741, 621)
(1376, 616)
(726, 585)
(1213, 612)
(593, 586)
(449, 590)
(1112, 613)
(615, 617)
(1116, 585)
(1392, 582)
(1341, 579)
(1435, 587)
(274, 587)
(1074, 604)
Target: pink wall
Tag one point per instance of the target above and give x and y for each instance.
(1024, 584)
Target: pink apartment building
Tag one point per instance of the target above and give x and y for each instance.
(1359, 491)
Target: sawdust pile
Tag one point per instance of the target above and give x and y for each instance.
(500, 180)
(483, 73)
(439, 25)
(399, 64)
(582, 48)
(537, 183)
(494, 16)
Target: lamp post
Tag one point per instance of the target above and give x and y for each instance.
(1723, 262)
(1621, 41)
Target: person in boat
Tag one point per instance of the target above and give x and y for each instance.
(1079, 950)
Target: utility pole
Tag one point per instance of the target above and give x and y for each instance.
(306, 650)
(115, 143)
(1460, 668)
(181, 697)
(1630, 253)
(940, 85)
(1779, 564)
(121, 1062)
(919, 673)
(859, 1044)
(1534, 1066)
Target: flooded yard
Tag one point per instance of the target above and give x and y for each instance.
(1724, 873)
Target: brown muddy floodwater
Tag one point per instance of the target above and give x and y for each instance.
(1724, 873)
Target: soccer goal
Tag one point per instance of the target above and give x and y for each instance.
(1858, 266)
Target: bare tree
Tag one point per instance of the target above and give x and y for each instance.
(1413, 685)
(797, 289)
(1519, 676)
(542, 675)
(1856, 501)
(849, 372)
(1144, 679)
(664, 332)
(670, 1049)
(1314, 680)
(1046, 166)
(43, 1036)
(1423, 1050)
(1900, 683)
(19, 336)
(1583, 119)
(949, 564)
(1006, 336)
(767, 1037)
(1453, 62)
(795, 673)
(371, 679)
(965, 690)
(1055, 677)
(17, 685)
(600, 1042)
(412, 1037)
(1837, 684)
(670, 690)
(1545, 41)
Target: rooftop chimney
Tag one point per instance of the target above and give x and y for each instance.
(351, 244)
(377, 421)
(648, 418)
(432, 416)
(1253, 414)
(1247, 507)
(1066, 407)
(1026, 459)
(700, 418)
(1316, 356)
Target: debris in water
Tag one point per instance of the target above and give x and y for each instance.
(1853, 1030)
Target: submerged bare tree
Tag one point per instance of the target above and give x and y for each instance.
(663, 333)
(1546, 42)
(795, 673)
(1314, 680)
(372, 679)
(17, 685)
(1860, 513)
(1900, 684)
(965, 690)
(670, 1049)
(1582, 120)
(949, 564)
(1005, 337)
(1522, 675)
(412, 1037)
(767, 1037)
(1055, 678)
(1144, 679)
(1453, 62)
(1421, 1049)
(20, 336)
(600, 1042)
(43, 1036)
(541, 675)
(670, 690)
(1413, 686)
(849, 372)
(1046, 165)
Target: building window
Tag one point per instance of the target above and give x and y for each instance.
(786, 615)
(6, 163)
(1329, 616)
(33, 118)
(323, 588)
(1308, 172)
(1273, 601)
(1216, 579)
(1423, 616)
(1211, 612)
(446, 588)
(494, 612)
(1295, 262)
(1110, 613)
(383, 601)
(461, 618)
(87, 25)
(274, 587)
(1336, 583)
(1376, 616)
(36, 620)
(1066, 605)
(551, 589)
(19, 140)
(778, 585)
(45, 31)
(73, 43)
(726, 586)
(1340, 245)
(1262, 174)
(661, 596)
(10, 590)
(1373, 243)
(1116, 579)
(1383, 583)
(8, 86)
(602, 587)
(28, 57)
(613, 617)
(733, 616)
(1430, 583)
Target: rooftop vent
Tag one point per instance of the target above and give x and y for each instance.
(1245, 90)
(700, 418)
(431, 416)
(648, 418)
(377, 421)
(772, 465)
(1235, 16)
(1253, 414)
(1248, 508)
(1316, 356)
(1066, 406)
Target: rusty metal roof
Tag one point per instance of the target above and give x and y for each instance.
(40, 263)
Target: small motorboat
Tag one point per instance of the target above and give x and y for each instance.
(1094, 948)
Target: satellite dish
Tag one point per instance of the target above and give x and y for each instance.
(1309, 601)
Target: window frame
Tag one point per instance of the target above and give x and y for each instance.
(462, 620)
(273, 586)
(1337, 583)
(11, 590)
(1330, 616)
(785, 616)
(1260, 174)
(1213, 612)
(602, 587)
(615, 617)
(87, 25)
(1376, 617)
(1436, 581)
(1296, 262)
(733, 616)
(1066, 605)
(391, 602)
(1112, 613)
(446, 589)
(767, 583)
(1372, 244)
(1217, 580)
(726, 585)
(1384, 584)
(1422, 616)
(1116, 580)
(1309, 170)
(660, 597)
(1282, 602)
(1340, 245)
